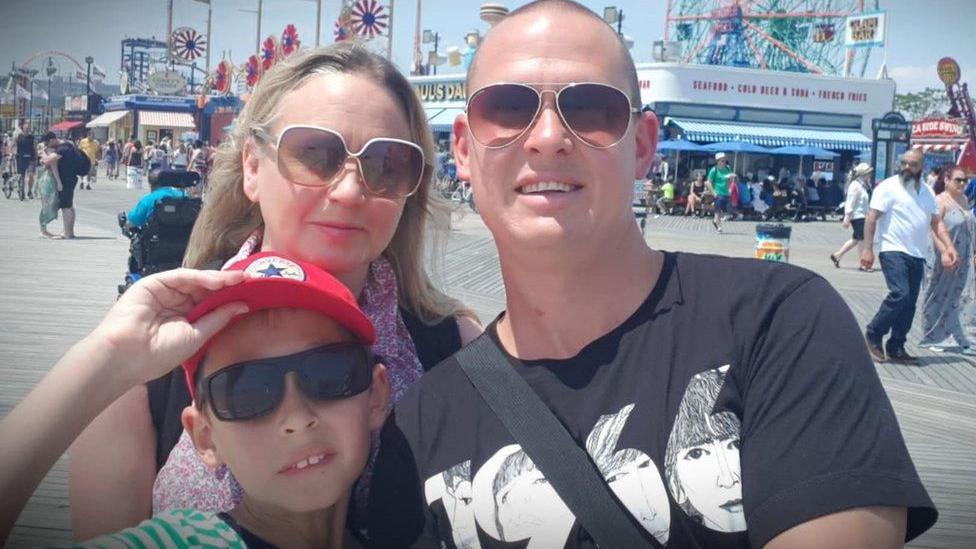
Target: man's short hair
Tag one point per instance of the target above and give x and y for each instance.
(49, 136)
(572, 6)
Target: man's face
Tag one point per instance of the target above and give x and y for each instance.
(911, 166)
(534, 48)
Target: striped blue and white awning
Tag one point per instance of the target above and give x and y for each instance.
(767, 135)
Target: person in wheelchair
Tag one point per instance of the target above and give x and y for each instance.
(159, 225)
(162, 184)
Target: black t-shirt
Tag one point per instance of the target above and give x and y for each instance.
(67, 164)
(26, 147)
(737, 402)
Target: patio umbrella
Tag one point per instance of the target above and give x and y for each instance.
(678, 145)
(736, 147)
(804, 150)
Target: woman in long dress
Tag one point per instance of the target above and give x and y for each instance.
(943, 295)
(48, 185)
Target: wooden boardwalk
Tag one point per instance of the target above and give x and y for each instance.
(53, 292)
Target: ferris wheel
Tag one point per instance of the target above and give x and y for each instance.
(784, 35)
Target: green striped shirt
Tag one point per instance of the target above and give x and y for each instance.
(178, 529)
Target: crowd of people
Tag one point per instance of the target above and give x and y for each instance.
(319, 402)
(725, 195)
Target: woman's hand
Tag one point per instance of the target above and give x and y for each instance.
(146, 332)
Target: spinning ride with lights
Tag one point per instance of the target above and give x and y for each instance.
(784, 35)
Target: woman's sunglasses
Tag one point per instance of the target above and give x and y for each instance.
(597, 114)
(248, 390)
(313, 157)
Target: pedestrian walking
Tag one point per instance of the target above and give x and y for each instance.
(133, 171)
(181, 157)
(718, 183)
(855, 210)
(112, 160)
(942, 303)
(26, 159)
(91, 147)
(902, 213)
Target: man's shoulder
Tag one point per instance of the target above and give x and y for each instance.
(734, 271)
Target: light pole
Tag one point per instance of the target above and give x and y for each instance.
(432, 60)
(50, 70)
(257, 48)
(88, 61)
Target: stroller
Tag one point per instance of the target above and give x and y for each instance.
(159, 245)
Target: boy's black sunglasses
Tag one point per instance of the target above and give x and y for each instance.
(250, 389)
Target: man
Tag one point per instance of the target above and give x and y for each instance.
(91, 147)
(26, 159)
(718, 184)
(903, 215)
(68, 171)
(143, 210)
(718, 415)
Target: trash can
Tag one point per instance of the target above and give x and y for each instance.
(773, 242)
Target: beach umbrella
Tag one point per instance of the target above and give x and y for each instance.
(804, 150)
(678, 145)
(736, 147)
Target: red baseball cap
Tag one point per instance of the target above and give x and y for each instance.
(281, 282)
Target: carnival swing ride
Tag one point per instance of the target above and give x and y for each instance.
(784, 35)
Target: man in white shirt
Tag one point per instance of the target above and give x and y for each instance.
(903, 211)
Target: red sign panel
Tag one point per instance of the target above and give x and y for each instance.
(937, 127)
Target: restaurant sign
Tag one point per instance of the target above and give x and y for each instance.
(937, 127)
(441, 92)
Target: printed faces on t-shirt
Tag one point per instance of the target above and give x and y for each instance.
(511, 500)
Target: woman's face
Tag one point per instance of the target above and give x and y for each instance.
(337, 226)
(956, 181)
(710, 480)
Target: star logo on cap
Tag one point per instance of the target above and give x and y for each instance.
(275, 267)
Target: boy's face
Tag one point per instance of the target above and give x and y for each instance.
(263, 453)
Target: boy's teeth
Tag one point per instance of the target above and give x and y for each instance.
(546, 186)
(313, 460)
(302, 464)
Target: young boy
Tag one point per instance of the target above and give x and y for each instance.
(285, 393)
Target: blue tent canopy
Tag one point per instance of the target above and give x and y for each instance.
(736, 147)
(679, 145)
(804, 150)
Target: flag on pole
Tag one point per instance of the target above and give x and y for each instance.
(98, 73)
(22, 93)
(40, 93)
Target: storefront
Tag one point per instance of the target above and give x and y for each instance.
(156, 117)
(943, 140)
(111, 126)
(443, 97)
(711, 104)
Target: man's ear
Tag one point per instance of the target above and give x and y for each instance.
(647, 134)
(198, 427)
(249, 163)
(379, 398)
(461, 144)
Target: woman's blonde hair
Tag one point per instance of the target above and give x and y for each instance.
(228, 217)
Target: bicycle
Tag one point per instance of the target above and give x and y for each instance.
(463, 194)
(9, 174)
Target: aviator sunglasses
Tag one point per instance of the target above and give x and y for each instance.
(313, 156)
(597, 114)
(251, 389)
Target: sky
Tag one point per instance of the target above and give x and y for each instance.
(919, 32)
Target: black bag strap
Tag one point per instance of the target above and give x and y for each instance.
(564, 463)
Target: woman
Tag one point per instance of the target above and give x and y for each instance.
(112, 159)
(48, 187)
(855, 211)
(268, 194)
(133, 166)
(181, 157)
(943, 294)
(695, 193)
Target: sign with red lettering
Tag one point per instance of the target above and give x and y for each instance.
(937, 127)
